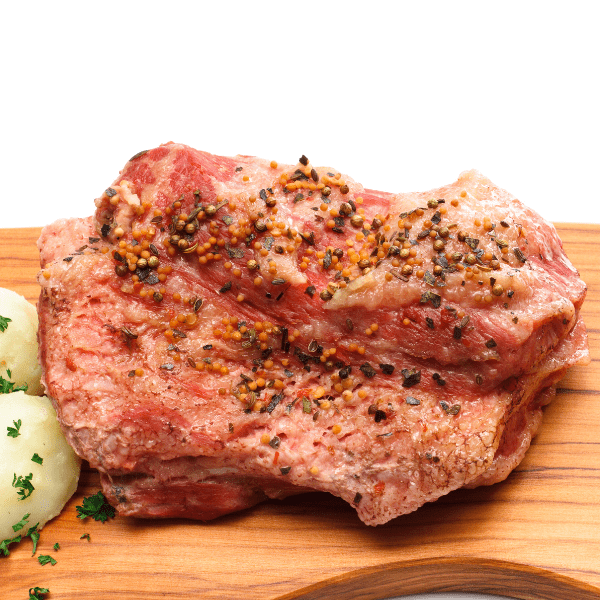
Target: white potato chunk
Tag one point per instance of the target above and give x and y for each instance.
(54, 481)
(18, 342)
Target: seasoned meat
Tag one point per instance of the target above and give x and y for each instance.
(224, 330)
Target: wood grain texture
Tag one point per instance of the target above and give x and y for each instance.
(535, 536)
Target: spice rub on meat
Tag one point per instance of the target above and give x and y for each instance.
(225, 330)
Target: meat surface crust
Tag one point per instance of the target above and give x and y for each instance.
(225, 330)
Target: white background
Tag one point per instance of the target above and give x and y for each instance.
(402, 96)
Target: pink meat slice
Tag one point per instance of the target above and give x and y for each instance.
(303, 333)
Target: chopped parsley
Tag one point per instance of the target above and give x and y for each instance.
(4, 544)
(36, 593)
(32, 532)
(95, 506)
(4, 321)
(25, 485)
(14, 431)
(86, 536)
(36, 458)
(44, 559)
(56, 546)
(6, 386)
(21, 523)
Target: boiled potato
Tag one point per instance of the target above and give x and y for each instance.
(18, 342)
(54, 481)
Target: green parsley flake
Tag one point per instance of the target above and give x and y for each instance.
(37, 592)
(14, 431)
(56, 546)
(25, 485)
(21, 523)
(95, 506)
(6, 386)
(36, 458)
(86, 536)
(44, 559)
(34, 534)
(5, 543)
(4, 321)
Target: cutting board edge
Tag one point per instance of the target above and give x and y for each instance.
(451, 574)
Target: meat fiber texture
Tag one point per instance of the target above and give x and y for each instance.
(226, 330)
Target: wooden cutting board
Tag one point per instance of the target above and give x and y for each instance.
(534, 536)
